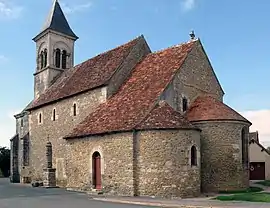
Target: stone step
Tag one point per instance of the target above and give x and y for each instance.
(89, 191)
(95, 192)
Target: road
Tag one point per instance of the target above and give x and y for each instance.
(22, 196)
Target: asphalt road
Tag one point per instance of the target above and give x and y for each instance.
(21, 196)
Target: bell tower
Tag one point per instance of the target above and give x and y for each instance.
(54, 49)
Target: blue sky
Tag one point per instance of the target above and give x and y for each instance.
(235, 35)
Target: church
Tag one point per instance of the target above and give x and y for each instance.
(129, 121)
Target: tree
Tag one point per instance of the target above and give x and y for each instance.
(5, 161)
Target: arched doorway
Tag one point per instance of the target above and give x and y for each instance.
(96, 172)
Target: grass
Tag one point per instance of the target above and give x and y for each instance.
(250, 197)
(248, 190)
(264, 183)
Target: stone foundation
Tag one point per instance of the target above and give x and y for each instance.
(49, 178)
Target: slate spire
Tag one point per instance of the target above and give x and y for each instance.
(57, 21)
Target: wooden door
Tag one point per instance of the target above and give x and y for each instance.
(257, 171)
(96, 161)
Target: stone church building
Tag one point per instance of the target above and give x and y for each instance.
(129, 121)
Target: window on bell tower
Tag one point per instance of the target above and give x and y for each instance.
(184, 104)
(41, 59)
(45, 58)
(64, 59)
(57, 58)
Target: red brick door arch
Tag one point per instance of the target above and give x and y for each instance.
(96, 172)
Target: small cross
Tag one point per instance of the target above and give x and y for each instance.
(192, 35)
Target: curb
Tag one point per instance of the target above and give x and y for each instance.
(151, 203)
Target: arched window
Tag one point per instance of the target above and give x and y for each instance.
(45, 58)
(53, 114)
(193, 156)
(21, 122)
(185, 104)
(57, 57)
(74, 109)
(64, 59)
(42, 60)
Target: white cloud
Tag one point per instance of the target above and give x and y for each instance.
(69, 9)
(188, 5)
(260, 120)
(8, 10)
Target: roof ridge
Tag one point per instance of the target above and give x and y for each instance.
(174, 46)
(262, 146)
(109, 50)
(155, 103)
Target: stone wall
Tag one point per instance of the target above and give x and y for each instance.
(221, 153)
(195, 77)
(164, 163)
(55, 130)
(116, 152)
(22, 129)
(14, 159)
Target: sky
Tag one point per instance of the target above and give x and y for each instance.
(234, 33)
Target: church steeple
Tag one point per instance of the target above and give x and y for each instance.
(56, 21)
(55, 49)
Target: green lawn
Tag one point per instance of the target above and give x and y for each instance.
(251, 197)
(264, 183)
(249, 190)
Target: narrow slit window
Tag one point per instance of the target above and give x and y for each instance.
(244, 141)
(54, 115)
(193, 156)
(74, 109)
(185, 104)
(40, 118)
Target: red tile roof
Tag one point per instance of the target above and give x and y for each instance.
(90, 74)
(163, 116)
(206, 108)
(138, 95)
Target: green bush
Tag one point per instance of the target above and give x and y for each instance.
(251, 197)
(264, 183)
(5, 161)
(248, 190)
